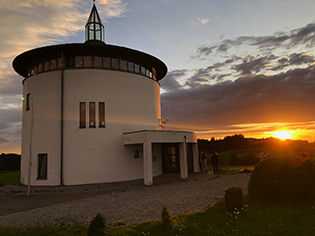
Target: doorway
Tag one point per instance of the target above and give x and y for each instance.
(170, 158)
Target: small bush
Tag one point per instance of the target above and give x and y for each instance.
(233, 198)
(249, 160)
(234, 161)
(283, 179)
(98, 226)
(166, 217)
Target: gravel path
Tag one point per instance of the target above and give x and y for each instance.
(138, 204)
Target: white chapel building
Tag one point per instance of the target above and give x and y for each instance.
(92, 114)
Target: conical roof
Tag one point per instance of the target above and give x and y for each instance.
(94, 28)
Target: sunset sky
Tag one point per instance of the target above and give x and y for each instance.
(235, 67)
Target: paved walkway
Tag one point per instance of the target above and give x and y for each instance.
(15, 199)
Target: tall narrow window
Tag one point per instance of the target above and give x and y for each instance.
(42, 166)
(28, 102)
(82, 115)
(101, 110)
(92, 114)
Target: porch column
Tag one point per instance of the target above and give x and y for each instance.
(183, 159)
(147, 161)
(195, 157)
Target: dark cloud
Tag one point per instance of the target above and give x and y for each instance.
(9, 117)
(304, 35)
(300, 58)
(201, 75)
(251, 64)
(204, 50)
(170, 81)
(301, 36)
(269, 41)
(287, 97)
(4, 140)
(293, 59)
(227, 44)
(11, 84)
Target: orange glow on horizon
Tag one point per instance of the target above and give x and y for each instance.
(283, 134)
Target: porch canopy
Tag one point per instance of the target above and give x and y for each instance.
(148, 137)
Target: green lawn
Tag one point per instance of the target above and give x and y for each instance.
(257, 218)
(10, 178)
(226, 169)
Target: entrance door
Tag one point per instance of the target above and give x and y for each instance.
(170, 158)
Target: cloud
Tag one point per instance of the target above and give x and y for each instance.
(251, 64)
(286, 97)
(170, 82)
(304, 36)
(204, 50)
(4, 140)
(104, 2)
(203, 20)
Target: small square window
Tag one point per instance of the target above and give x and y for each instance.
(106, 62)
(123, 65)
(97, 61)
(130, 66)
(114, 63)
(137, 68)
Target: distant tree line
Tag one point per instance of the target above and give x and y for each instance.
(235, 142)
(10, 162)
(238, 141)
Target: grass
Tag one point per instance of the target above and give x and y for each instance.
(257, 218)
(10, 178)
(226, 169)
(226, 156)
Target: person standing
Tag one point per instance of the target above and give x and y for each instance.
(204, 162)
(215, 163)
(200, 162)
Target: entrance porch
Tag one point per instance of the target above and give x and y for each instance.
(179, 151)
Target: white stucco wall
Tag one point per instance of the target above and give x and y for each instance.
(46, 128)
(96, 155)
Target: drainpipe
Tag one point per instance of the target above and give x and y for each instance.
(61, 119)
(31, 136)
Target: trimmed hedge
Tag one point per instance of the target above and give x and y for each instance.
(283, 179)
(234, 161)
(98, 226)
(166, 217)
(233, 198)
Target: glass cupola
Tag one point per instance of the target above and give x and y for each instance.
(94, 28)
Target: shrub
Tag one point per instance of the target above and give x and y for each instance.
(283, 179)
(166, 217)
(234, 161)
(233, 198)
(249, 160)
(98, 226)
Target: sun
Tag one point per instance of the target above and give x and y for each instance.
(282, 134)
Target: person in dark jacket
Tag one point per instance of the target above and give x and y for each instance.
(215, 163)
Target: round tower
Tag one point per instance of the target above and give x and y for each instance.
(79, 100)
